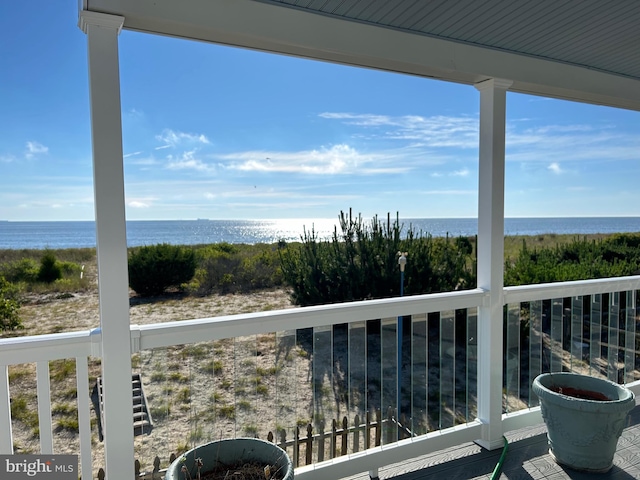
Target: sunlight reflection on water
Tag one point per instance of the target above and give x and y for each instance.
(39, 235)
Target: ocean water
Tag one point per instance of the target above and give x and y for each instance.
(40, 235)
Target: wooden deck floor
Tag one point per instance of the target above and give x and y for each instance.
(527, 459)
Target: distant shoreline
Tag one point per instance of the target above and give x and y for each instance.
(512, 243)
(82, 234)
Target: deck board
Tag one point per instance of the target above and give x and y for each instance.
(527, 459)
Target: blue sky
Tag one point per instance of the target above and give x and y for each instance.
(218, 132)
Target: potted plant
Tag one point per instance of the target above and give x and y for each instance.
(585, 417)
(252, 457)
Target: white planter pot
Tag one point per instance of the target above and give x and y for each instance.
(583, 433)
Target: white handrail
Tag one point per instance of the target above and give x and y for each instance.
(206, 329)
(545, 291)
(42, 349)
(39, 348)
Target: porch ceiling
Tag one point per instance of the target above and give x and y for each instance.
(584, 50)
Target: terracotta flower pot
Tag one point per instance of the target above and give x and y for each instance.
(233, 452)
(585, 417)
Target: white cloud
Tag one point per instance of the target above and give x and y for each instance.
(188, 161)
(438, 131)
(132, 112)
(127, 155)
(555, 168)
(545, 129)
(7, 158)
(463, 172)
(449, 192)
(146, 161)
(366, 120)
(138, 204)
(338, 159)
(575, 142)
(35, 148)
(551, 143)
(171, 138)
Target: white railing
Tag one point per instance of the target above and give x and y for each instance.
(41, 350)
(588, 327)
(440, 312)
(330, 394)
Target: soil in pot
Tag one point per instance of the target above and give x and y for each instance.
(246, 471)
(582, 394)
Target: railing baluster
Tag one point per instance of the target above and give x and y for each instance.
(556, 334)
(356, 434)
(84, 414)
(636, 339)
(245, 388)
(630, 335)
(595, 347)
(433, 371)
(357, 375)
(389, 374)
(286, 379)
(447, 369)
(512, 357)
(576, 347)
(612, 360)
(472, 364)
(6, 435)
(535, 347)
(44, 408)
(419, 373)
(322, 375)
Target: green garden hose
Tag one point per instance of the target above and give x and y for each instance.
(496, 471)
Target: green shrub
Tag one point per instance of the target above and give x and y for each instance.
(50, 270)
(154, 269)
(361, 262)
(48, 274)
(22, 270)
(70, 269)
(580, 259)
(226, 268)
(9, 306)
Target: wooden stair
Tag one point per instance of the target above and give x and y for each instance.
(142, 421)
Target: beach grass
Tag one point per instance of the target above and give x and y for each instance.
(513, 243)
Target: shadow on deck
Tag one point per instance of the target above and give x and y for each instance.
(526, 459)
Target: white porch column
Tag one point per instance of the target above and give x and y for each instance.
(493, 95)
(108, 177)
